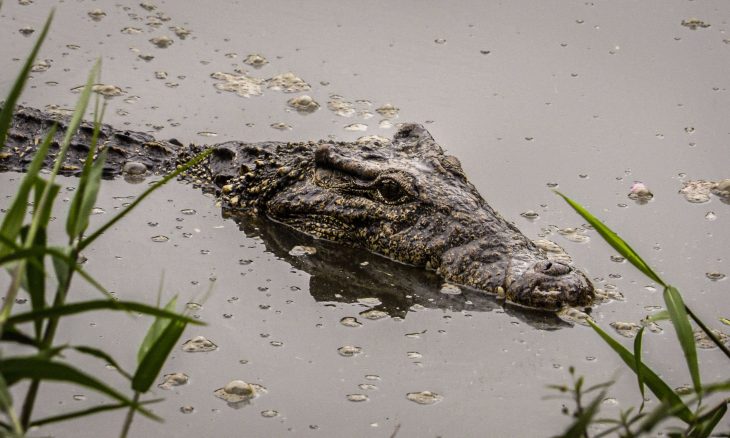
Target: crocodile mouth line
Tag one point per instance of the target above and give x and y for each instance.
(321, 226)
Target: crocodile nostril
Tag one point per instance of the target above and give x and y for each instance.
(553, 269)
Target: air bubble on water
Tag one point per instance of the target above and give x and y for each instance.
(181, 32)
(350, 321)
(303, 104)
(349, 350)
(188, 211)
(617, 259)
(530, 215)
(79, 397)
(26, 31)
(440, 41)
(207, 134)
(367, 387)
(106, 90)
(715, 276)
(357, 397)
(300, 250)
(341, 107)
(41, 66)
(276, 344)
(414, 355)
(356, 127)
(174, 379)
(237, 391)
(131, 30)
(96, 14)
(147, 57)
(281, 126)
(162, 41)
(187, 409)
(576, 235)
(199, 344)
(424, 397)
(372, 377)
(608, 294)
(160, 238)
(160, 75)
(374, 314)
(388, 111)
(269, 413)
(255, 60)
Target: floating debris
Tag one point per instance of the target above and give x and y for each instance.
(207, 134)
(160, 75)
(131, 30)
(349, 351)
(146, 57)
(722, 188)
(572, 315)
(608, 294)
(288, 83)
(299, 251)
(26, 31)
(715, 276)
(148, 6)
(640, 193)
(199, 344)
(697, 191)
(704, 341)
(626, 329)
(414, 355)
(181, 32)
(188, 211)
(162, 42)
(576, 235)
(303, 104)
(374, 314)
(440, 41)
(553, 251)
(96, 14)
(370, 301)
(106, 90)
(241, 84)
(255, 60)
(694, 23)
(356, 127)
(388, 111)
(350, 321)
(160, 238)
(424, 397)
(450, 289)
(174, 379)
(357, 397)
(373, 139)
(281, 126)
(340, 106)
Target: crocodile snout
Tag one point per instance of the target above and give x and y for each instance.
(550, 285)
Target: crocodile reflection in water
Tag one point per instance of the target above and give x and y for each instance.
(340, 273)
(404, 199)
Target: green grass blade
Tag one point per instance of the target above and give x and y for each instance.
(156, 329)
(85, 412)
(11, 334)
(36, 368)
(707, 423)
(36, 280)
(661, 315)
(614, 240)
(15, 216)
(682, 327)
(87, 306)
(150, 367)
(100, 354)
(6, 406)
(657, 386)
(44, 208)
(89, 183)
(580, 425)
(638, 367)
(95, 235)
(6, 115)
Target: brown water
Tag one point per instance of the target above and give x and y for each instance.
(590, 95)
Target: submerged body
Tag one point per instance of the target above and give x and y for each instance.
(403, 198)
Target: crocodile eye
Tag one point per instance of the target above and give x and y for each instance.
(390, 190)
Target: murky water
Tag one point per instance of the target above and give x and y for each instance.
(590, 97)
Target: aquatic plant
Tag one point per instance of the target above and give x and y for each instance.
(24, 252)
(699, 422)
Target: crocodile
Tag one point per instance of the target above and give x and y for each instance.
(403, 198)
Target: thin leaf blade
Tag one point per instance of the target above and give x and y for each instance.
(683, 329)
(150, 367)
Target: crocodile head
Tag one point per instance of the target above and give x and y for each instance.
(407, 200)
